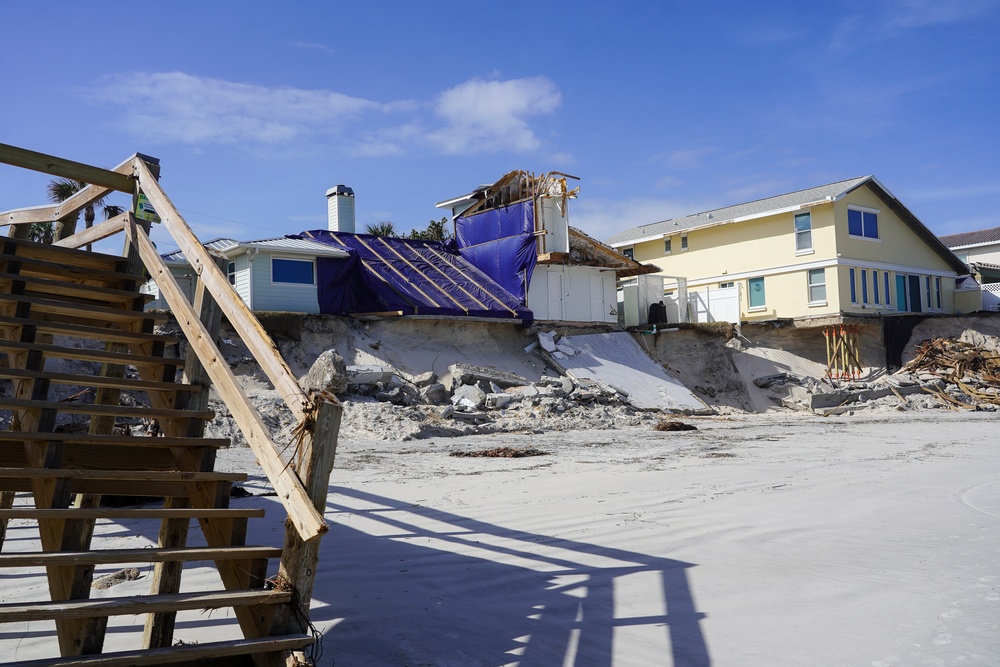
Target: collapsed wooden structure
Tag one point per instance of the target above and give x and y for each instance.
(56, 301)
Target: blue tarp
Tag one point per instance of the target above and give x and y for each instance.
(415, 277)
(501, 243)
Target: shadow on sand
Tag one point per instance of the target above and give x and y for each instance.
(403, 584)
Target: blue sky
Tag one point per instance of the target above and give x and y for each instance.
(662, 109)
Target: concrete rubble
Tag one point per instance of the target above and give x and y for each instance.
(962, 373)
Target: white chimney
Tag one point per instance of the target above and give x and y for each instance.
(340, 209)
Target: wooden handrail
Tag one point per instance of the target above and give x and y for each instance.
(308, 521)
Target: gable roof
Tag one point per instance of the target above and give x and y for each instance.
(968, 239)
(789, 202)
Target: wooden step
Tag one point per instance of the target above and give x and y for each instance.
(97, 381)
(127, 606)
(131, 475)
(46, 287)
(60, 255)
(96, 315)
(178, 655)
(86, 354)
(97, 457)
(79, 331)
(80, 408)
(117, 440)
(118, 487)
(131, 513)
(151, 555)
(68, 272)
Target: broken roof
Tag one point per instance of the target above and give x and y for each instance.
(588, 251)
(514, 186)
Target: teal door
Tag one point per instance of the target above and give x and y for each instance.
(901, 293)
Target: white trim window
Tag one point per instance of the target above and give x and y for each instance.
(755, 294)
(288, 271)
(231, 272)
(816, 279)
(803, 234)
(862, 223)
(666, 246)
(684, 242)
(629, 252)
(727, 284)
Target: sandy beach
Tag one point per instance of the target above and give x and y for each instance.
(755, 540)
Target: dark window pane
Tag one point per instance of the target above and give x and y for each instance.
(854, 227)
(871, 225)
(292, 271)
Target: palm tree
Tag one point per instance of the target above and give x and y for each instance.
(60, 190)
(384, 228)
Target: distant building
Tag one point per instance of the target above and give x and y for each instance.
(841, 249)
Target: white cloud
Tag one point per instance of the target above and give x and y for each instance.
(174, 106)
(476, 116)
(487, 116)
(921, 13)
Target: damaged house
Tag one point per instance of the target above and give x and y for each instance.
(514, 256)
(517, 231)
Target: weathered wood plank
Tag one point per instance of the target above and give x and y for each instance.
(151, 555)
(89, 313)
(67, 609)
(176, 655)
(257, 340)
(97, 381)
(131, 513)
(81, 331)
(98, 232)
(57, 166)
(124, 475)
(74, 407)
(158, 630)
(122, 440)
(50, 287)
(308, 521)
(90, 355)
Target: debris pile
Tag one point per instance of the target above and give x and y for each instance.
(962, 366)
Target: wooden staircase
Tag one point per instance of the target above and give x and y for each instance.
(74, 342)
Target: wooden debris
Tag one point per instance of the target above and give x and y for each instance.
(969, 367)
(502, 452)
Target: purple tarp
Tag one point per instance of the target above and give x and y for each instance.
(415, 277)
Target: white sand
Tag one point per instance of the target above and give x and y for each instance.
(761, 540)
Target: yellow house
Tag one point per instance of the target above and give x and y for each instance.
(846, 248)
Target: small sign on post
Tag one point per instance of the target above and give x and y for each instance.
(144, 210)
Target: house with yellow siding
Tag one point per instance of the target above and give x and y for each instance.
(841, 249)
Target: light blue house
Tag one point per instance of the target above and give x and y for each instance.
(270, 274)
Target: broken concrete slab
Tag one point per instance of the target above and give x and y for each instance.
(617, 360)
(369, 374)
(462, 374)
